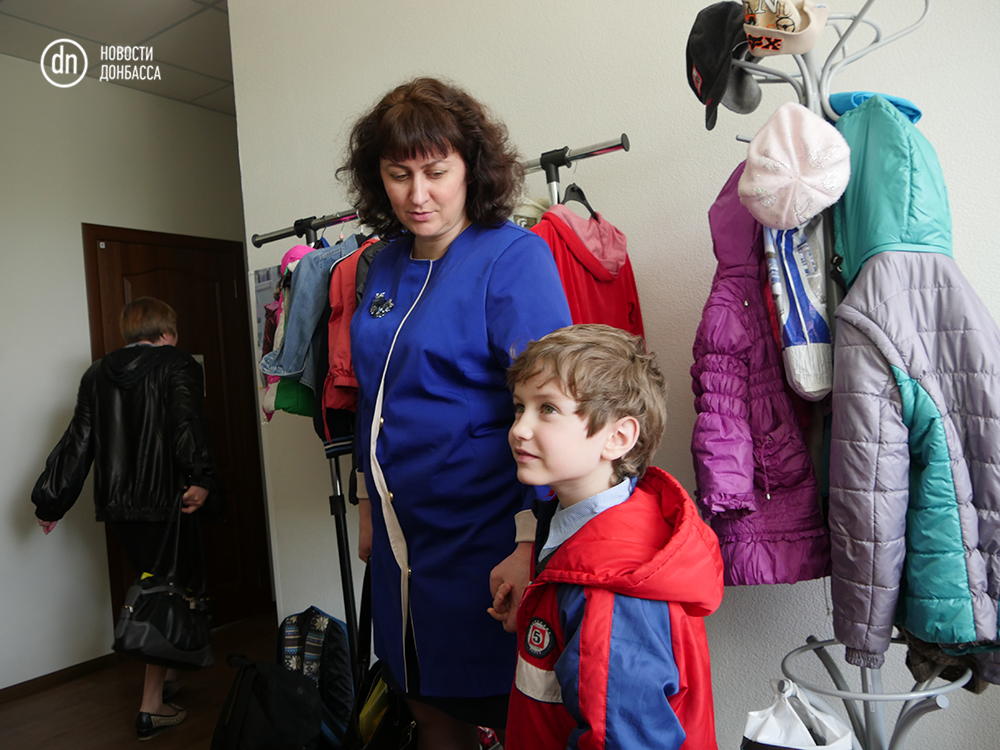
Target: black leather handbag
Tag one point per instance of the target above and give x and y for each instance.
(163, 622)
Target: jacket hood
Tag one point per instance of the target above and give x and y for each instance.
(129, 365)
(896, 199)
(596, 243)
(736, 235)
(653, 546)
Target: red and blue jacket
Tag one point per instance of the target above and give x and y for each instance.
(612, 651)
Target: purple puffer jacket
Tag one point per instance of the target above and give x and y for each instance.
(756, 484)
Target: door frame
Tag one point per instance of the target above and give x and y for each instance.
(93, 234)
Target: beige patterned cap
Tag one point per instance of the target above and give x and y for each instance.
(783, 27)
(797, 165)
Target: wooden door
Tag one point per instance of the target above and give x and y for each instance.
(204, 280)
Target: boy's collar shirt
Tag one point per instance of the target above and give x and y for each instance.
(567, 521)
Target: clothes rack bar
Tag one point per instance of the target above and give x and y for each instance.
(303, 227)
(599, 149)
(550, 162)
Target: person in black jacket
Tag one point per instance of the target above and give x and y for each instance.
(140, 421)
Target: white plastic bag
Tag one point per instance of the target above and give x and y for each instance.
(792, 722)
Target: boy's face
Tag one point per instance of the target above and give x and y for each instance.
(551, 446)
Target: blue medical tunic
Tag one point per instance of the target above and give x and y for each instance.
(442, 346)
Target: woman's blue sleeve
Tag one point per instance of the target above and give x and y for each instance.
(525, 298)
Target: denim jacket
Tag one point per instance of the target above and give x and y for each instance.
(308, 296)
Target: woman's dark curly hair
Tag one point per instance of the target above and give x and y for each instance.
(427, 117)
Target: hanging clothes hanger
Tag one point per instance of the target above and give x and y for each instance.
(575, 193)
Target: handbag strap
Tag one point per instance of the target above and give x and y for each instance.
(201, 568)
(364, 628)
(175, 524)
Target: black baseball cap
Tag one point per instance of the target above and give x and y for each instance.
(717, 37)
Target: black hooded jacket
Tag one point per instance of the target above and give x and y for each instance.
(140, 420)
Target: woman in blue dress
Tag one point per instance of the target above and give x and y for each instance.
(457, 290)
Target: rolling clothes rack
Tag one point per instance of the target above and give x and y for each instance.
(549, 162)
(334, 449)
(307, 228)
(812, 88)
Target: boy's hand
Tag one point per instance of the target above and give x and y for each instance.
(501, 603)
(47, 526)
(514, 572)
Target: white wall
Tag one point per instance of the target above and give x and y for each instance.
(100, 154)
(573, 74)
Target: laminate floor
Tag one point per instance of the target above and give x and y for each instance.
(98, 710)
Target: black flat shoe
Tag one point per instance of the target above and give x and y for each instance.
(148, 726)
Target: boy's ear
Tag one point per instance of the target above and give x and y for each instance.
(621, 438)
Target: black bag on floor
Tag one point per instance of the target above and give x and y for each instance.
(315, 644)
(268, 708)
(161, 621)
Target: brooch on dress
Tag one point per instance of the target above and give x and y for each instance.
(380, 305)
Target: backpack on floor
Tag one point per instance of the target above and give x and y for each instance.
(314, 644)
(268, 708)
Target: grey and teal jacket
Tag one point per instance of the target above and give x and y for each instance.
(915, 458)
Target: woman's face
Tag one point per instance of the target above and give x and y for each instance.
(427, 194)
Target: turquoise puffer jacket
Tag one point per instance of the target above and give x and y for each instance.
(915, 459)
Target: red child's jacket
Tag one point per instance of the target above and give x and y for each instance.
(594, 268)
(612, 649)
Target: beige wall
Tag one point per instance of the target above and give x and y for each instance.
(572, 74)
(101, 154)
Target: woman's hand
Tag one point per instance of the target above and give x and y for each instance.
(365, 529)
(193, 498)
(47, 526)
(508, 580)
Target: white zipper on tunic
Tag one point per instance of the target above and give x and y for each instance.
(396, 539)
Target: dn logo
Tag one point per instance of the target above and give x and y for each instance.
(66, 63)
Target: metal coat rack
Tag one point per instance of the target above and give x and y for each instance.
(812, 88)
(869, 724)
(812, 82)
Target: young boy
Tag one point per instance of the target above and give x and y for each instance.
(611, 639)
